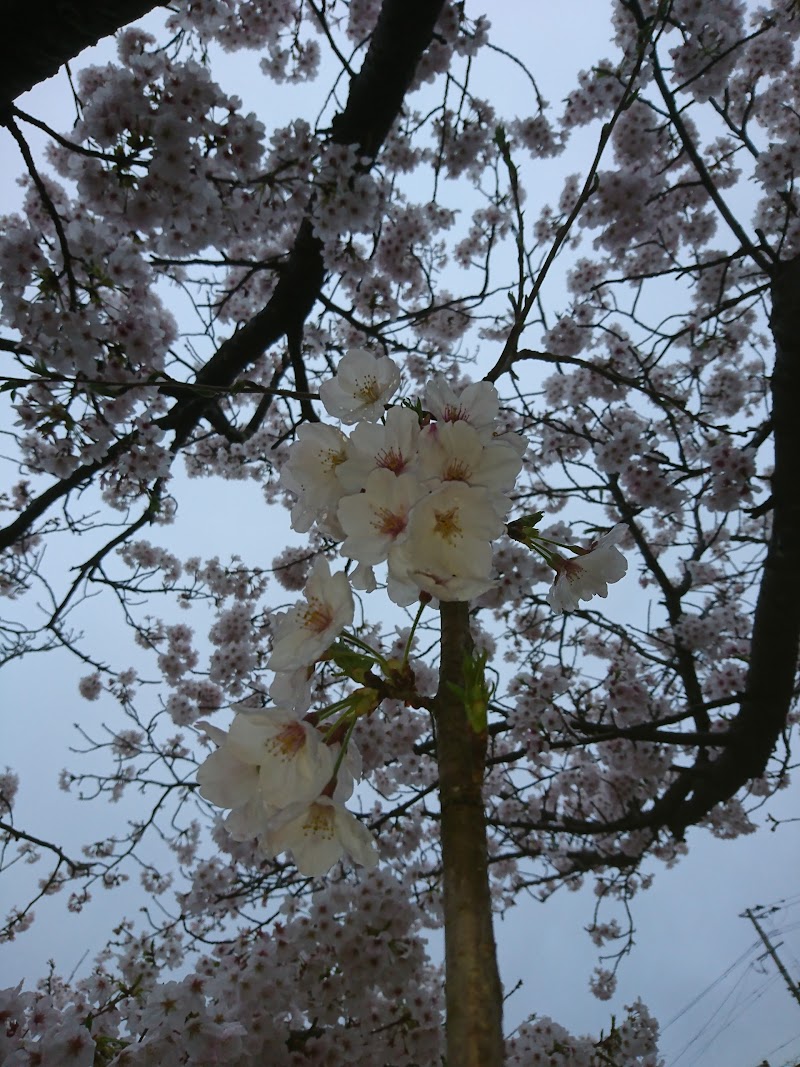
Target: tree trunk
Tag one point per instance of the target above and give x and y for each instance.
(474, 996)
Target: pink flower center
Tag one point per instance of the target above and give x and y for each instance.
(571, 569)
(392, 460)
(454, 414)
(389, 524)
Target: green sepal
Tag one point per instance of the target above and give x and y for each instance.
(354, 664)
(525, 529)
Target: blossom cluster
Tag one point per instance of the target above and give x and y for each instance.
(285, 782)
(178, 177)
(281, 1000)
(424, 488)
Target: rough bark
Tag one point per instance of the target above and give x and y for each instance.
(474, 995)
(40, 37)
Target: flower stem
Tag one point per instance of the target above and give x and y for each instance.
(370, 651)
(414, 625)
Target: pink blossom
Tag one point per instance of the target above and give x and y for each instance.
(310, 473)
(448, 552)
(378, 518)
(294, 762)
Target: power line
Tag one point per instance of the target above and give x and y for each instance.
(790, 983)
(712, 985)
(736, 1000)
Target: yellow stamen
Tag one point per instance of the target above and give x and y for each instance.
(317, 616)
(457, 470)
(288, 742)
(369, 391)
(447, 524)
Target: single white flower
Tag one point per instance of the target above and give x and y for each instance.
(455, 452)
(318, 835)
(227, 780)
(589, 574)
(448, 552)
(310, 473)
(310, 627)
(293, 760)
(388, 446)
(378, 518)
(361, 388)
(292, 689)
(269, 758)
(363, 578)
(249, 820)
(478, 404)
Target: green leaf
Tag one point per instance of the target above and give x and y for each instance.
(476, 693)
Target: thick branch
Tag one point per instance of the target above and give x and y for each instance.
(473, 991)
(402, 33)
(40, 37)
(771, 678)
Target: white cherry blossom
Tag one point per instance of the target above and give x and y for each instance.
(294, 762)
(249, 820)
(363, 578)
(292, 689)
(361, 388)
(310, 627)
(225, 778)
(448, 552)
(477, 404)
(589, 574)
(310, 473)
(389, 446)
(454, 451)
(318, 835)
(378, 518)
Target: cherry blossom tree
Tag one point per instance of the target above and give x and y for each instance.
(489, 417)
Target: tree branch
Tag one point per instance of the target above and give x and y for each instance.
(403, 31)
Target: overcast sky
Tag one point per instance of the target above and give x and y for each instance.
(689, 931)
